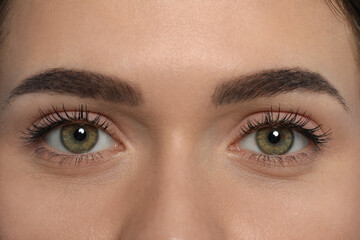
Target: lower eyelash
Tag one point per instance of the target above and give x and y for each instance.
(282, 161)
(62, 159)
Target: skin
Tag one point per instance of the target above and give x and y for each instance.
(176, 179)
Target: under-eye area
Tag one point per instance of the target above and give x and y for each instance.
(279, 139)
(74, 137)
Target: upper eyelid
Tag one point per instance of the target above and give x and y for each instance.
(55, 118)
(268, 118)
(77, 114)
(298, 121)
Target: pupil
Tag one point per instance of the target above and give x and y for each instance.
(80, 134)
(274, 137)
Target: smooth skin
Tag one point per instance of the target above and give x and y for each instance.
(176, 179)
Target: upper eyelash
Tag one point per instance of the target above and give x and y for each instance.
(54, 119)
(292, 120)
(271, 119)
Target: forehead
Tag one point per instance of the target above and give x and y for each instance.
(168, 41)
(167, 28)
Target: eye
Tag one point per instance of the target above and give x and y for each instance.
(78, 139)
(274, 141)
(277, 143)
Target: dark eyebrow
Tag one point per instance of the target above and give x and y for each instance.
(271, 83)
(84, 84)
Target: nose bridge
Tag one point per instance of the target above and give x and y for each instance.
(173, 209)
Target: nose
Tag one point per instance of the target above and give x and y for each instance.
(173, 207)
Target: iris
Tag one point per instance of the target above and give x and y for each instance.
(275, 141)
(79, 138)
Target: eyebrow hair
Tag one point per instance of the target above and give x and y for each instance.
(84, 84)
(270, 83)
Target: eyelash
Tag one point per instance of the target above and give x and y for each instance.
(291, 120)
(54, 119)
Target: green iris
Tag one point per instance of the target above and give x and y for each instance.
(274, 141)
(79, 138)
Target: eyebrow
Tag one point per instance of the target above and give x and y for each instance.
(271, 83)
(84, 84)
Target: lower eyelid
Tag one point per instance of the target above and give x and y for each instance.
(308, 151)
(50, 158)
(61, 159)
(275, 166)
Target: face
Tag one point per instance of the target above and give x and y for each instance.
(181, 120)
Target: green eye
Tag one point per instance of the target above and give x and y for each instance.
(79, 138)
(274, 141)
